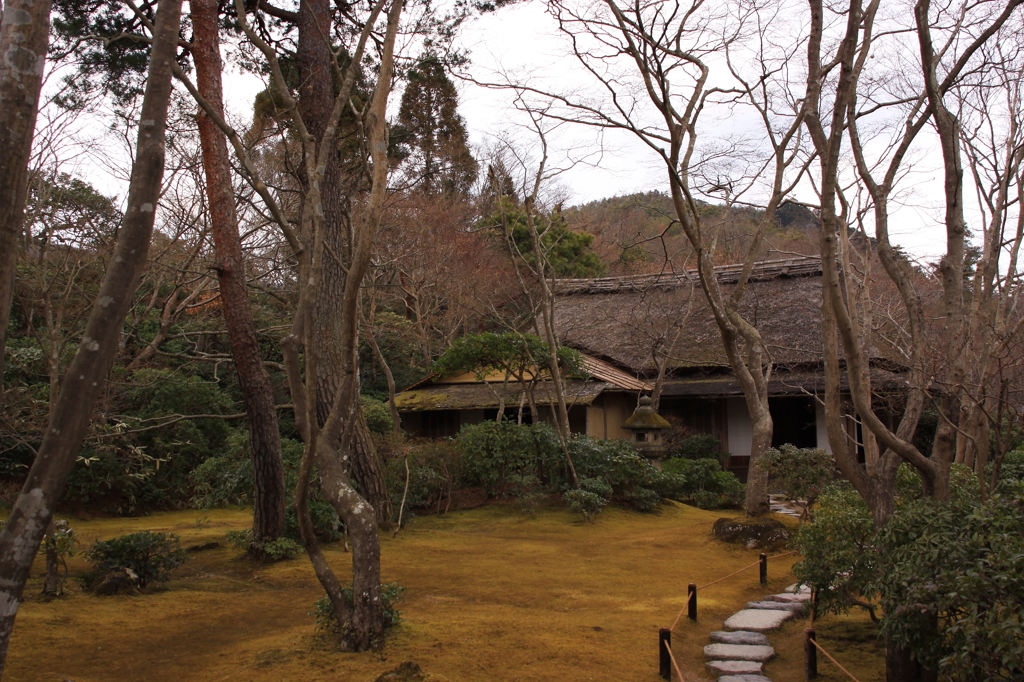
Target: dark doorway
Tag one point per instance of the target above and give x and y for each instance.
(795, 422)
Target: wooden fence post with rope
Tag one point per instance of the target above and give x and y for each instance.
(810, 655)
(666, 662)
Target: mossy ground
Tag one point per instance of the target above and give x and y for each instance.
(492, 594)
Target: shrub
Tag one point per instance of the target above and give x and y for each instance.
(150, 556)
(1012, 468)
(585, 502)
(700, 446)
(631, 478)
(281, 549)
(493, 452)
(327, 621)
(378, 415)
(803, 473)
(227, 479)
(700, 482)
(435, 471)
(950, 583)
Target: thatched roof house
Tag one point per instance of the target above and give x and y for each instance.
(627, 326)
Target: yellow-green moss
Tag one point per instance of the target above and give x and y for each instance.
(491, 595)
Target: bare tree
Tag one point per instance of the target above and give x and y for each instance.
(31, 514)
(937, 372)
(651, 64)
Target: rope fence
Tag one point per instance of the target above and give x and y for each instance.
(666, 660)
(811, 649)
(691, 602)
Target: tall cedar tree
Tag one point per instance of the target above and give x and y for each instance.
(432, 127)
(264, 437)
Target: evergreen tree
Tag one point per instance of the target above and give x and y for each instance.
(434, 131)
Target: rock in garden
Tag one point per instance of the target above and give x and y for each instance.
(409, 671)
(797, 609)
(734, 667)
(752, 532)
(743, 678)
(757, 620)
(741, 637)
(738, 652)
(118, 581)
(805, 589)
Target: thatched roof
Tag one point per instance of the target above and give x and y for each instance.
(762, 270)
(622, 325)
(801, 382)
(482, 396)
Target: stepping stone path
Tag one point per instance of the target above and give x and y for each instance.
(780, 505)
(737, 653)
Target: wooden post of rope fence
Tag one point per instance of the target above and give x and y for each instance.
(691, 601)
(764, 569)
(664, 653)
(810, 655)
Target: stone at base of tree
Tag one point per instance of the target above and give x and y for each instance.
(118, 581)
(410, 671)
(754, 533)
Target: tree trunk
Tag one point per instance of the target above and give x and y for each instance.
(23, 39)
(33, 510)
(316, 101)
(264, 437)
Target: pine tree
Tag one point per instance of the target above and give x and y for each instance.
(434, 131)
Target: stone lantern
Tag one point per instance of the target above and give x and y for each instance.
(647, 427)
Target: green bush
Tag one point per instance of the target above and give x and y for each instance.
(378, 415)
(281, 549)
(801, 473)
(327, 621)
(950, 582)
(700, 446)
(150, 556)
(700, 482)
(435, 471)
(587, 503)
(1012, 468)
(227, 479)
(493, 452)
(633, 480)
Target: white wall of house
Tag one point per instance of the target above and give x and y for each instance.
(741, 431)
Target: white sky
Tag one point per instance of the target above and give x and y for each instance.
(523, 40)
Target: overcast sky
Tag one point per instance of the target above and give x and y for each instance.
(522, 40)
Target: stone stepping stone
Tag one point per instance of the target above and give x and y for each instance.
(789, 597)
(734, 667)
(740, 637)
(757, 620)
(743, 678)
(738, 652)
(803, 590)
(796, 608)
